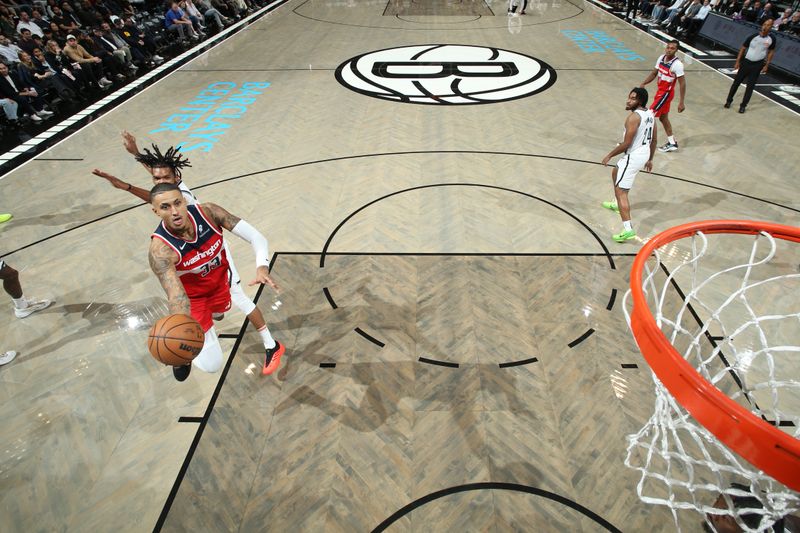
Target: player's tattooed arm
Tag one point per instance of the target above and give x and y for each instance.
(162, 262)
(221, 216)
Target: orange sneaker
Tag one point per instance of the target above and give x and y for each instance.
(272, 360)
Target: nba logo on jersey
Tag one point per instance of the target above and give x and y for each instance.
(446, 74)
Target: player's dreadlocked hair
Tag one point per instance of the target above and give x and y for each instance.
(172, 158)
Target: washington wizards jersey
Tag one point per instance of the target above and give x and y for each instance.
(203, 263)
(668, 72)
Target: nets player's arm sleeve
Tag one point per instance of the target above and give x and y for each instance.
(259, 243)
(162, 262)
(241, 229)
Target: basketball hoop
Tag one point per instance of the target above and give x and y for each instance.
(721, 333)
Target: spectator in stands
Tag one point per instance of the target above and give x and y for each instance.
(138, 39)
(115, 60)
(68, 21)
(690, 19)
(10, 108)
(748, 12)
(39, 76)
(57, 34)
(209, 14)
(26, 23)
(39, 20)
(27, 98)
(175, 20)
(793, 26)
(767, 13)
(9, 52)
(674, 10)
(7, 26)
(83, 77)
(88, 16)
(48, 9)
(26, 41)
(785, 17)
(78, 54)
(659, 10)
(64, 82)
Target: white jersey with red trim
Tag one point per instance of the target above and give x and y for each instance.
(203, 264)
(668, 72)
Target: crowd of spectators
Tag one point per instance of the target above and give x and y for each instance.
(683, 18)
(58, 56)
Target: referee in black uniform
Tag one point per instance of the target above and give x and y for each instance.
(750, 62)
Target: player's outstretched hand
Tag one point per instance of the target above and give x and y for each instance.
(113, 180)
(648, 166)
(129, 142)
(262, 276)
(605, 161)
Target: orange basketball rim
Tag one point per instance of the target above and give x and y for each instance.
(762, 444)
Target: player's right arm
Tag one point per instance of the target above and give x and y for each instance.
(650, 77)
(125, 186)
(631, 125)
(162, 262)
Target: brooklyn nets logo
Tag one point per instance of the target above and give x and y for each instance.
(446, 74)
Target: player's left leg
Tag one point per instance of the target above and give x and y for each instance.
(624, 175)
(671, 144)
(23, 307)
(210, 357)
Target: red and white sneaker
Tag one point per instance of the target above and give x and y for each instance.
(272, 360)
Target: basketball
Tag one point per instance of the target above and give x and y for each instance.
(175, 340)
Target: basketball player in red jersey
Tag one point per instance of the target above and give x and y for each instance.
(669, 70)
(187, 254)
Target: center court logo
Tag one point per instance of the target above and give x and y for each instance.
(446, 74)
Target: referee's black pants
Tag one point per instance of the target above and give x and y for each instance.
(749, 71)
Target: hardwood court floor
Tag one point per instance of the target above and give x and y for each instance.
(467, 235)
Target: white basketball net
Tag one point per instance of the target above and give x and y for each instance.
(726, 329)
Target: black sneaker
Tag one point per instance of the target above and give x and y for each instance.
(741, 109)
(181, 372)
(727, 105)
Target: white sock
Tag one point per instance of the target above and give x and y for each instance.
(269, 342)
(626, 225)
(671, 139)
(20, 303)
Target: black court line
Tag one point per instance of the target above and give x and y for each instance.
(209, 409)
(611, 300)
(630, 365)
(329, 297)
(228, 336)
(58, 159)
(197, 419)
(493, 485)
(327, 365)
(519, 363)
(438, 363)
(581, 338)
(369, 337)
(255, 69)
(466, 254)
(490, 8)
(478, 185)
(480, 28)
(390, 154)
(398, 17)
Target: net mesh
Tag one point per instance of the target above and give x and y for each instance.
(734, 315)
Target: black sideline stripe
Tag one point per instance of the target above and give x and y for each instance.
(518, 363)
(611, 300)
(581, 338)
(329, 297)
(227, 336)
(327, 365)
(630, 365)
(204, 421)
(438, 363)
(197, 419)
(493, 485)
(369, 337)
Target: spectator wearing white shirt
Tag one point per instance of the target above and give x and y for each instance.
(9, 52)
(25, 23)
(785, 17)
(691, 25)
